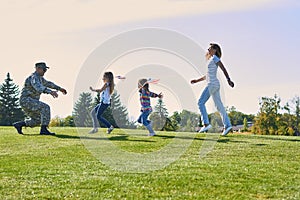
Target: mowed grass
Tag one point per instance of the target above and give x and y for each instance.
(60, 167)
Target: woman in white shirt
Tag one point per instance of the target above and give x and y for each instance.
(213, 89)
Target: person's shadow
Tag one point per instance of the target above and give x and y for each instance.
(112, 138)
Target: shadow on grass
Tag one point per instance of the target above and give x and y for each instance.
(127, 138)
(112, 138)
(220, 140)
(260, 145)
(277, 138)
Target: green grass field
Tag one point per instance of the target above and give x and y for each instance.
(60, 167)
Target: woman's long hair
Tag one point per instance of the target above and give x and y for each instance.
(110, 77)
(217, 48)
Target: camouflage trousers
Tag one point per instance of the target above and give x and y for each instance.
(39, 112)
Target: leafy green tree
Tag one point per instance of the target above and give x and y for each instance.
(215, 125)
(169, 125)
(175, 120)
(189, 126)
(296, 102)
(184, 117)
(82, 109)
(189, 121)
(237, 117)
(245, 125)
(119, 112)
(285, 126)
(9, 103)
(266, 121)
(289, 121)
(56, 122)
(159, 116)
(69, 121)
(217, 118)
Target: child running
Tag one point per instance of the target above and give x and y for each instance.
(146, 109)
(106, 91)
(213, 89)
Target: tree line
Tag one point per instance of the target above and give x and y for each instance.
(273, 118)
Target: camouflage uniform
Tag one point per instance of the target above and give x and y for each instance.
(38, 111)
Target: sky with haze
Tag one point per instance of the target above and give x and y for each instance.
(259, 40)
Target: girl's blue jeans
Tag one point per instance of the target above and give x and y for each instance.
(97, 113)
(143, 118)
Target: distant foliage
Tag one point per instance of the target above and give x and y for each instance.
(59, 122)
(237, 117)
(10, 110)
(82, 109)
(159, 116)
(56, 122)
(175, 120)
(119, 112)
(274, 119)
(245, 125)
(186, 121)
(179, 121)
(267, 120)
(69, 121)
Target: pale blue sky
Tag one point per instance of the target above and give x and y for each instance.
(260, 42)
(260, 49)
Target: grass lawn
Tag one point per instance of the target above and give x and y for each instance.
(61, 167)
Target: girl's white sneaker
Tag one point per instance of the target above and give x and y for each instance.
(94, 130)
(151, 134)
(110, 129)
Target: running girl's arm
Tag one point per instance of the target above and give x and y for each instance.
(154, 95)
(99, 90)
(198, 80)
(220, 64)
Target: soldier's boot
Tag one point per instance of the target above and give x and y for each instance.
(45, 131)
(19, 125)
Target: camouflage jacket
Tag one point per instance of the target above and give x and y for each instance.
(35, 85)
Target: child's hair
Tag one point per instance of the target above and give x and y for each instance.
(143, 84)
(110, 78)
(217, 48)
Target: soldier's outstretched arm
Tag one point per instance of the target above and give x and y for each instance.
(50, 84)
(38, 85)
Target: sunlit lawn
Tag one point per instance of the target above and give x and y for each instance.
(61, 167)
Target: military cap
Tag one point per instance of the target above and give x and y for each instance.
(41, 65)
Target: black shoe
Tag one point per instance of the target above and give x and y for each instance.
(44, 131)
(18, 126)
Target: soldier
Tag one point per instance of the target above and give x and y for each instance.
(39, 112)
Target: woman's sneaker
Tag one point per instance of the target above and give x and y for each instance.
(151, 134)
(205, 128)
(226, 131)
(94, 130)
(110, 129)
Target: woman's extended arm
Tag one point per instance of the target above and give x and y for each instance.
(198, 80)
(220, 64)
